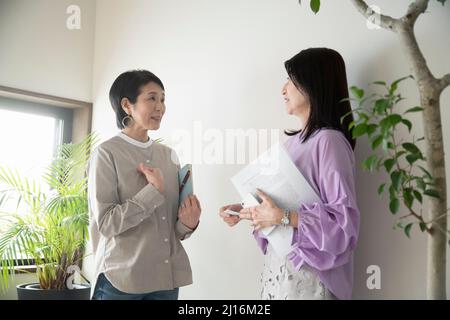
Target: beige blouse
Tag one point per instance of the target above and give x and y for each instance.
(134, 228)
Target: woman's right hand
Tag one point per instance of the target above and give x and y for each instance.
(229, 219)
(153, 176)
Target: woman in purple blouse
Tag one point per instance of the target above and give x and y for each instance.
(320, 265)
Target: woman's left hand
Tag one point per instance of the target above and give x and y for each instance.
(263, 215)
(189, 212)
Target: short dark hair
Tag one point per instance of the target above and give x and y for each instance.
(128, 85)
(320, 74)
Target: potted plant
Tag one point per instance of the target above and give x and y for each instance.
(49, 229)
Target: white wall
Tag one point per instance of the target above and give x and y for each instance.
(39, 53)
(222, 65)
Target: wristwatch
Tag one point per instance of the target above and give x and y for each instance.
(285, 221)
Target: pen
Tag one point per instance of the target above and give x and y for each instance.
(186, 177)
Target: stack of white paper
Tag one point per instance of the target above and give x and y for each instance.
(274, 173)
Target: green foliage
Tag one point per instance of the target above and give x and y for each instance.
(49, 228)
(314, 5)
(377, 119)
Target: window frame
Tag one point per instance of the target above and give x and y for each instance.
(28, 107)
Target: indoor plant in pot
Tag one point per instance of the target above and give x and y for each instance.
(47, 228)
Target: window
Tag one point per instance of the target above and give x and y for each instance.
(32, 128)
(30, 134)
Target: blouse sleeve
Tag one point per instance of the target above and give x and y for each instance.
(111, 216)
(327, 231)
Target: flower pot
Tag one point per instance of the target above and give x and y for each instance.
(32, 291)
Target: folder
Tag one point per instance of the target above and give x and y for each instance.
(185, 183)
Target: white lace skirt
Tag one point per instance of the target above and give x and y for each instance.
(280, 281)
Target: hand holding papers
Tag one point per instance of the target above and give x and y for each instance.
(276, 174)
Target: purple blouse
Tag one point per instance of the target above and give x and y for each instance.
(327, 232)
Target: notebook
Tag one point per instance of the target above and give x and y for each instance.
(185, 182)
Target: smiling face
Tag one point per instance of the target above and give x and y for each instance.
(149, 108)
(296, 102)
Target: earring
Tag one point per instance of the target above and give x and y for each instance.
(128, 117)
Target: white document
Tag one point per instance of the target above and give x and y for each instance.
(274, 173)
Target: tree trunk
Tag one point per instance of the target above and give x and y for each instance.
(430, 91)
(437, 238)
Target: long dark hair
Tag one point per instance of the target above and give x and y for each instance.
(320, 74)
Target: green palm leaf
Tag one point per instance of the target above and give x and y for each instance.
(48, 227)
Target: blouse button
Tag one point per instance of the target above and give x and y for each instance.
(166, 261)
(164, 218)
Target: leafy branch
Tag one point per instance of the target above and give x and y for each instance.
(377, 119)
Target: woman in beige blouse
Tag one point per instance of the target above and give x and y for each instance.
(136, 223)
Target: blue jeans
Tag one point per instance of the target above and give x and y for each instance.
(104, 290)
